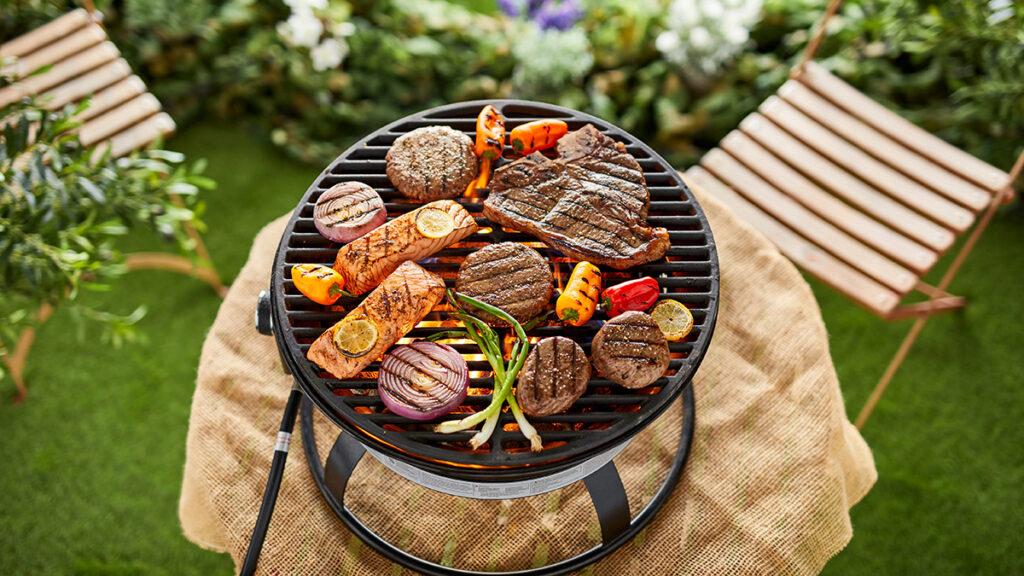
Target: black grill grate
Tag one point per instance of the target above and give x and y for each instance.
(605, 416)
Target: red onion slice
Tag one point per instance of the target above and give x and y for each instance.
(348, 211)
(423, 380)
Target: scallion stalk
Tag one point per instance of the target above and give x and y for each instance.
(504, 374)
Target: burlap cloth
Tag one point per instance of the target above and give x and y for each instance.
(774, 469)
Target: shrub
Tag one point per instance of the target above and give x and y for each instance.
(65, 206)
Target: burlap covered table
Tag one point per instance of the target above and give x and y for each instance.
(774, 469)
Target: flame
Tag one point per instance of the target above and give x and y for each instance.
(559, 277)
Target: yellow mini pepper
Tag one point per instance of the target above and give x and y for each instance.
(578, 301)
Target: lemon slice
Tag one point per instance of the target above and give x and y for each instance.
(434, 223)
(674, 319)
(355, 337)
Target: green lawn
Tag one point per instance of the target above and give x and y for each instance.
(93, 460)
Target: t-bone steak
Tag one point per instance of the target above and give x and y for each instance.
(590, 203)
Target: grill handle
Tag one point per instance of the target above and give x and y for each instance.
(284, 435)
(264, 318)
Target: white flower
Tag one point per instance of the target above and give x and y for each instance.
(667, 41)
(700, 38)
(328, 54)
(345, 28)
(703, 35)
(550, 59)
(301, 29)
(306, 5)
(711, 9)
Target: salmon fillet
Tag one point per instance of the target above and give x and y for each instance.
(367, 260)
(402, 300)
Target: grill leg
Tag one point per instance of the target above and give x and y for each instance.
(610, 502)
(344, 456)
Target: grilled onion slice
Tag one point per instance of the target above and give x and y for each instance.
(423, 380)
(347, 211)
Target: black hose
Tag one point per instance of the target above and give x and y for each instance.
(259, 532)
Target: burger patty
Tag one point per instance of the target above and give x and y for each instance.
(554, 376)
(508, 275)
(432, 163)
(630, 350)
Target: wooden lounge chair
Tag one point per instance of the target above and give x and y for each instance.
(855, 195)
(122, 117)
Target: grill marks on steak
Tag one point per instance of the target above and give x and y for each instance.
(554, 376)
(591, 203)
(630, 350)
(511, 276)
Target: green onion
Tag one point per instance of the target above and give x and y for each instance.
(504, 374)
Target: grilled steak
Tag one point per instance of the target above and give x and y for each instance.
(554, 376)
(432, 163)
(367, 260)
(630, 350)
(510, 276)
(590, 203)
(394, 308)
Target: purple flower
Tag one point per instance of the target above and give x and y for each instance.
(557, 14)
(547, 14)
(512, 8)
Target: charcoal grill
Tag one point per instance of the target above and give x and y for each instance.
(578, 445)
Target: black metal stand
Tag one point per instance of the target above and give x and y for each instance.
(604, 485)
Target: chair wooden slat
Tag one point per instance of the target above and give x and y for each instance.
(901, 129)
(45, 34)
(851, 189)
(61, 49)
(885, 149)
(118, 119)
(136, 137)
(893, 183)
(87, 84)
(113, 96)
(854, 284)
(789, 181)
(61, 72)
(805, 223)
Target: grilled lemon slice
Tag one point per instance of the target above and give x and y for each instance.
(434, 223)
(355, 337)
(674, 319)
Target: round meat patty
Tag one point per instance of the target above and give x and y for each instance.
(508, 275)
(554, 376)
(432, 163)
(630, 350)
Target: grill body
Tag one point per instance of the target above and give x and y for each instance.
(603, 419)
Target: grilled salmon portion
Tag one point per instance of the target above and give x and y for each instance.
(367, 260)
(394, 308)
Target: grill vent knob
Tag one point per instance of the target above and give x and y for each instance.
(264, 320)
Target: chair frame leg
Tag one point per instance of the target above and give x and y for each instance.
(940, 301)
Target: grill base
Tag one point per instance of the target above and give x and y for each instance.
(604, 485)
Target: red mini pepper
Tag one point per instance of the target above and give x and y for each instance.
(639, 294)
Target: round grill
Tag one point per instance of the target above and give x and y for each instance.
(603, 418)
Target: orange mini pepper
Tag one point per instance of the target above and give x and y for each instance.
(490, 133)
(537, 135)
(321, 284)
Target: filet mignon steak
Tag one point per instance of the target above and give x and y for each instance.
(630, 350)
(590, 203)
(432, 163)
(508, 275)
(554, 376)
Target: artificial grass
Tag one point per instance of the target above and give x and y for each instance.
(94, 457)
